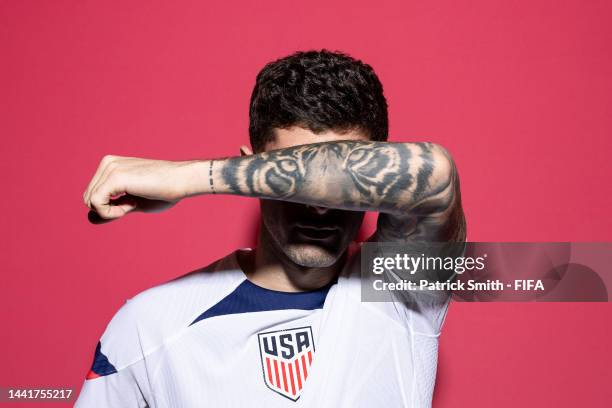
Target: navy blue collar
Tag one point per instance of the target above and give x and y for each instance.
(249, 298)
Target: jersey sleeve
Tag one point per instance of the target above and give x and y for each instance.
(424, 312)
(118, 389)
(117, 375)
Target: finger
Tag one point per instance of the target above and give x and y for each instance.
(126, 202)
(94, 180)
(102, 203)
(111, 165)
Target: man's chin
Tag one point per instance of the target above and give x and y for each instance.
(310, 256)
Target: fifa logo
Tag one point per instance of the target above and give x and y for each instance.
(286, 357)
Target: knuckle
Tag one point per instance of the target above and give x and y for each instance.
(96, 198)
(113, 178)
(112, 166)
(95, 202)
(106, 159)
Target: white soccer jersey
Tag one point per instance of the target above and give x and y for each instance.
(214, 339)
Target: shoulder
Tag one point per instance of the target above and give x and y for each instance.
(155, 314)
(173, 303)
(417, 312)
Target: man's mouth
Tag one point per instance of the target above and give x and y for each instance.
(312, 232)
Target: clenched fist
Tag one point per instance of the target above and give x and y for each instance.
(124, 184)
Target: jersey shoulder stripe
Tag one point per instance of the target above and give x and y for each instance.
(100, 366)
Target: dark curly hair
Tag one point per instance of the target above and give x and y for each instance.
(317, 90)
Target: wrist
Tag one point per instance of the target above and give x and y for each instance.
(196, 176)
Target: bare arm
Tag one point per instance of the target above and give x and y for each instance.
(414, 186)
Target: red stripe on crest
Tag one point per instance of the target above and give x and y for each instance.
(291, 377)
(297, 371)
(304, 367)
(269, 370)
(284, 376)
(276, 371)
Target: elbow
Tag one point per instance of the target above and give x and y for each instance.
(449, 190)
(444, 173)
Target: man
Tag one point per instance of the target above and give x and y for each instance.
(283, 324)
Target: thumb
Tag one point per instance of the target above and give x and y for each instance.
(125, 203)
(116, 208)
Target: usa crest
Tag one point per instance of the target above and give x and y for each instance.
(286, 357)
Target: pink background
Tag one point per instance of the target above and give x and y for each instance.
(519, 92)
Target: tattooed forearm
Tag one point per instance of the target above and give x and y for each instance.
(413, 185)
(347, 174)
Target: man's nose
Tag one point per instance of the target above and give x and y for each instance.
(317, 209)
